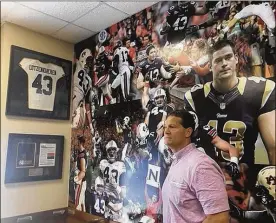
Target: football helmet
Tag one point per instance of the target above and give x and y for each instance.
(112, 150)
(99, 185)
(160, 97)
(142, 131)
(86, 58)
(126, 120)
(183, 4)
(97, 135)
(267, 178)
(196, 120)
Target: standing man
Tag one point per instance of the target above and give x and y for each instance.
(194, 189)
(80, 179)
(239, 108)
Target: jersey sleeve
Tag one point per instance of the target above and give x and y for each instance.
(59, 71)
(268, 98)
(25, 62)
(189, 102)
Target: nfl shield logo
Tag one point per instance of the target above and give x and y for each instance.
(222, 105)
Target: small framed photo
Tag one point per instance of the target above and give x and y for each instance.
(34, 157)
(39, 85)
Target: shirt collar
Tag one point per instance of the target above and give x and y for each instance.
(178, 155)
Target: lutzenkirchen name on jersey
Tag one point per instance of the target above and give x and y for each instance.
(42, 69)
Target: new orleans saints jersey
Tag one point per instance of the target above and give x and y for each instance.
(113, 173)
(178, 20)
(234, 114)
(151, 71)
(42, 81)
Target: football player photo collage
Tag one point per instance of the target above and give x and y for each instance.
(215, 59)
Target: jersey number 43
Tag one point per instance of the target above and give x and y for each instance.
(45, 89)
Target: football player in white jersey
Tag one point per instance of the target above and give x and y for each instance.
(113, 174)
(97, 142)
(123, 66)
(83, 85)
(42, 80)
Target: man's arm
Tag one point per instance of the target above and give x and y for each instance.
(266, 124)
(209, 186)
(81, 174)
(165, 74)
(147, 119)
(222, 217)
(140, 81)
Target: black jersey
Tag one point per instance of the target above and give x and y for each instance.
(234, 114)
(98, 203)
(151, 71)
(127, 133)
(103, 64)
(178, 20)
(155, 117)
(81, 155)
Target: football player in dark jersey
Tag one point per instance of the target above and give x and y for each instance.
(102, 69)
(151, 74)
(80, 179)
(178, 18)
(157, 115)
(239, 108)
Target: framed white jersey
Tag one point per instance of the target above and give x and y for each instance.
(39, 85)
(42, 81)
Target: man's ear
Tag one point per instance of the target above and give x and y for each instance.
(189, 132)
(210, 65)
(236, 58)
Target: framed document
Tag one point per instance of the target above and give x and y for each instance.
(34, 157)
(39, 85)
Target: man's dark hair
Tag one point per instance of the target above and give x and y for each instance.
(187, 119)
(149, 48)
(125, 40)
(219, 45)
(81, 139)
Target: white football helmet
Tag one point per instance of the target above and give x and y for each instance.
(196, 119)
(83, 57)
(126, 120)
(99, 185)
(112, 150)
(160, 97)
(164, 150)
(267, 178)
(142, 131)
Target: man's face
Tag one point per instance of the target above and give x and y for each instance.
(152, 54)
(224, 63)
(175, 135)
(145, 40)
(128, 44)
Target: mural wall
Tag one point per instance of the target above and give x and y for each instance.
(130, 76)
